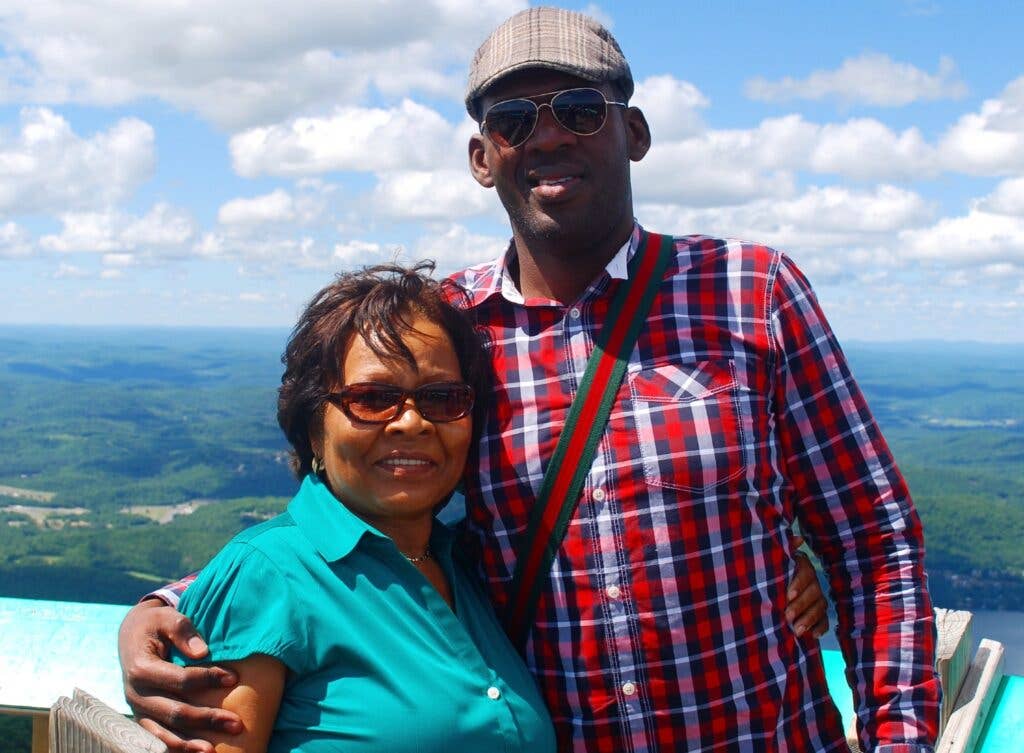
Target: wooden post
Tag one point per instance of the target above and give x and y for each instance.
(41, 733)
(953, 656)
(972, 704)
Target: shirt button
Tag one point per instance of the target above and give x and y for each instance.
(598, 494)
(628, 688)
(613, 592)
(493, 693)
(574, 313)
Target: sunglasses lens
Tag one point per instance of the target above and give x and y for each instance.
(374, 403)
(582, 111)
(510, 123)
(444, 402)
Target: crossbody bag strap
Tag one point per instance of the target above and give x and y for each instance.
(584, 426)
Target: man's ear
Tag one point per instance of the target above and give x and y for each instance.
(478, 164)
(639, 133)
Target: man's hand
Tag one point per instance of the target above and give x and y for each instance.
(806, 607)
(158, 690)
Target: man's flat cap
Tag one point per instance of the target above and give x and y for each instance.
(551, 38)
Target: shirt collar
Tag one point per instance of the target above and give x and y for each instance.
(334, 530)
(495, 277)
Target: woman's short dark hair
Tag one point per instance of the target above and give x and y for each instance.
(379, 303)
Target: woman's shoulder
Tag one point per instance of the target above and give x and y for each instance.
(270, 532)
(256, 549)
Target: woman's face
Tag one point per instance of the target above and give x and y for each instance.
(401, 469)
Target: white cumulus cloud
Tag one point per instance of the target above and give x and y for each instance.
(238, 62)
(977, 237)
(866, 149)
(164, 231)
(47, 167)
(991, 141)
(816, 223)
(1008, 198)
(870, 78)
(672, 107)
(14, 240)
(358, 253)
(409, 136)
(277, 206)
(454, 247)
(431, 195)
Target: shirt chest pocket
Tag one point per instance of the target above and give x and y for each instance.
(687, 423)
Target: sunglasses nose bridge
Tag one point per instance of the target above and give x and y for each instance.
(550, 126)
(403, 409)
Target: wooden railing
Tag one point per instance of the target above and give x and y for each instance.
(83, 724)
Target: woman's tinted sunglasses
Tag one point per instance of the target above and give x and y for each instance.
(582, 111)
(375, 403)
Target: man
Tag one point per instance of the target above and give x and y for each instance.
(662, 624)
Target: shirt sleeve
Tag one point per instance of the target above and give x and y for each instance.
(171, 593)
(855, 510)
(242, 604)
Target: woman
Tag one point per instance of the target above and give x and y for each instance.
(349, 619)
(350, 622)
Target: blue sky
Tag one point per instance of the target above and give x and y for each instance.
(203, 163)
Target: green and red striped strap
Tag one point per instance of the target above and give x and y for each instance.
(570, 463)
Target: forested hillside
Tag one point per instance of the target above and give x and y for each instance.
(108, 434)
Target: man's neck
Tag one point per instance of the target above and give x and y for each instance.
(549, 270)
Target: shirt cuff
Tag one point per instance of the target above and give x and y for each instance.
(166, 595)
(903, 748)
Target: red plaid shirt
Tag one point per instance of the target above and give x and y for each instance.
(662, 627)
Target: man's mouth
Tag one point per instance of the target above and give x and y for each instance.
(551, 186)
(554, 181)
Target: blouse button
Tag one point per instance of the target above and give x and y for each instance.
(613, 592)
(493, 693)
(598, 494)
(628, 688)
(574, 313)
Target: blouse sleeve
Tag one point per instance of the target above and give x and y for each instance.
(242, 604)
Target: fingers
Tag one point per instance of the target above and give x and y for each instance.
(809, 613)
(174, 743)
(178, 630)
(158, 690)
(821, 626)
(804, 578)
(154, 675)
(807, 609)
(178, 718)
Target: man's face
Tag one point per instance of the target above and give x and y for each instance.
(558, 186)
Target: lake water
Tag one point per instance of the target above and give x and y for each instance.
(1005, 627)
(1008, 629)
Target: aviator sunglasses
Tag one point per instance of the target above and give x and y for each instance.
(374, 403)
(582, 111)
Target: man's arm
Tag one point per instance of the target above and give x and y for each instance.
(856, 511)
(159, 691)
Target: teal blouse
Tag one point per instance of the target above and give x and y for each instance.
(377, 660)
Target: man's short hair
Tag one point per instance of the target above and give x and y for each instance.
(552, 39)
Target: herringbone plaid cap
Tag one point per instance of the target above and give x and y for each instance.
(552, 38)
